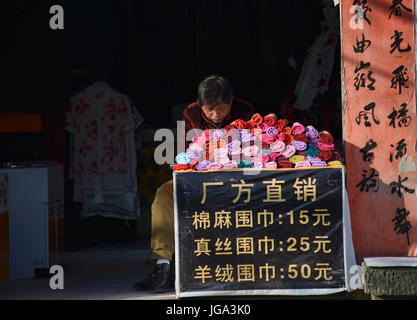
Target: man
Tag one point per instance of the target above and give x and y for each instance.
(215, 108)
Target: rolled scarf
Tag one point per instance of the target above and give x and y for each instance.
(201, 141)
(303, 164)
(203, 165)
(209, 155)
(312, 151)
(248, 138)
(288, 151)
(234, 144)
(318, 164)
(314, 142)
(267, 151)
(221, 160)
(215, 166)
(221, 152)
(301, 153)
(299, 145)
(294, 159)
(179, 167)
(230, 165)
(211, 146)
(278, 146)
(324, 155)
(267, 138)
(261, 158)
(265, 145)
(263, 126)
(272, 131)
(193, 163)
(280, 136)
(250, 151)
(289, 138)
(258, 165)
(243, 132)
(193, 154)
(196, 147)
(274, 156)
(235, 151)
(221, 155)
(287, 131)
(217, 134)
(256, 132)
(221, 144)
(326, 146)
(312, 159)
(311, 132)
(334, 163)
(207, 135)
(271, 165)
(182, 158)
(325, 137)
(284, 164)
(282, 158)
(297, 128)
(301, 137)
(244, 164)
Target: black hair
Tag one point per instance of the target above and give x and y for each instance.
(214, 90)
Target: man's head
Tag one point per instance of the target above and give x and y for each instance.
(215, 98)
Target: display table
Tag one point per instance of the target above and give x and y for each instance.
(274, 232)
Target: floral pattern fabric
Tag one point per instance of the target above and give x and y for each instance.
(318, 66)
(99, 118)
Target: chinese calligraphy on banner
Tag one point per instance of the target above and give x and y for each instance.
(378, 65)
(278, 230)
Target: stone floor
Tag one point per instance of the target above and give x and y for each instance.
(86, 279)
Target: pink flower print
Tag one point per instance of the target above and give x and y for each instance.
(111, 129)
(113, 116)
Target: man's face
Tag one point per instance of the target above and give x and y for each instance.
(218, 113)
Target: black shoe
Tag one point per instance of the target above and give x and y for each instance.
(145, 284)
(161, 281)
